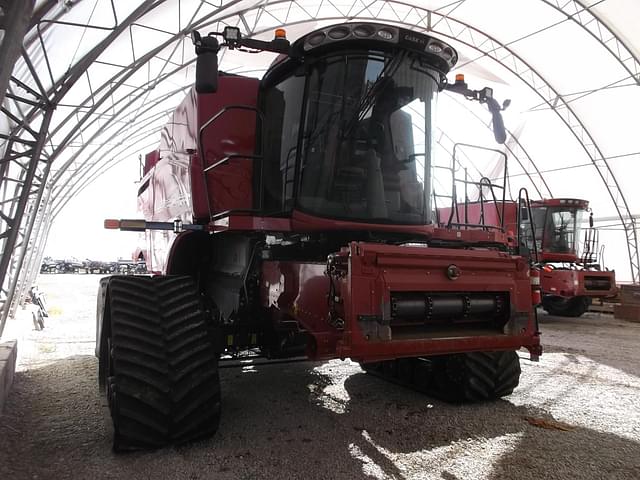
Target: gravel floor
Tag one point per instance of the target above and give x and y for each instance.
(330, 420)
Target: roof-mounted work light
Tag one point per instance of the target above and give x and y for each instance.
(232, 37)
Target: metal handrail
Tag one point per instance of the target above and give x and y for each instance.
(523, 201)
(483, 183)
(257, 156)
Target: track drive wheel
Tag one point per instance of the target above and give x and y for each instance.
(161, 372)
(463, 377)
(476, 376)
(566, 307)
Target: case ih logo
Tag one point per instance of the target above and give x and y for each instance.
(414, 39)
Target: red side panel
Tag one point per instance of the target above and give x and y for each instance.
(569, 283)
(361, 296)
(180, 132)
(150, 159)
(229, 185)
(474, 214)
(199, 197)
(164, 194)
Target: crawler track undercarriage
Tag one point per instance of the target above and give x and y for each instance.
(463, 377)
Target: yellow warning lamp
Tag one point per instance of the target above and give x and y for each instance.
(460, 83)
(281, 34)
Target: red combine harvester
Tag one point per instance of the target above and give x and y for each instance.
(570, 276)
(292, 216)
(570, 279)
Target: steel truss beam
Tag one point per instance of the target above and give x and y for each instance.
(39, 218)
(14, 236)
(14, 22)
(585, 17)
(24, 171)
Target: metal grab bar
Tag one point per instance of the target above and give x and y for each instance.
(523, 201)
(256, 156)
(483, 183)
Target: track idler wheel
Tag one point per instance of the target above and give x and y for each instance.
(161, 374)
(464, 377)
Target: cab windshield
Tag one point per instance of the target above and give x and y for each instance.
(558, 229)
(366, 141)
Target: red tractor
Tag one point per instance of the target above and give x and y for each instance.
(570, 276)
(292, 216)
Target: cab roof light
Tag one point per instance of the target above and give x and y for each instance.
(280, 33)
(339, 32)
(435, 47)
(378, 32)
(363, 31)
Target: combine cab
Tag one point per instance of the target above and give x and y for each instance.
(292, 216)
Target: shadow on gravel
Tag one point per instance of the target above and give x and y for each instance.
(300, 421)
(532, 452)
(52, 421)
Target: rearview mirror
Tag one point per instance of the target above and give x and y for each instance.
(499, 131)
(206, 62)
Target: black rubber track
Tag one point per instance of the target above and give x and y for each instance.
(465, 377)
(572, 307)
(163, 383)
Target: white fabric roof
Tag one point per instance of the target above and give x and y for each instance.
(116, 68)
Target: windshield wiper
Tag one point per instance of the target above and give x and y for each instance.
(372, 93)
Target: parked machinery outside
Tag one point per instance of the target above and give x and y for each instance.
(292, 216)
(68, 265)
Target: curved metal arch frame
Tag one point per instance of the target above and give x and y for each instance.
(141, 91)
(519, 153)
(521, 69)
(569, 118)
(143, 88)
(64, 190)
(34, 256)
(106, 162)
(592, 24)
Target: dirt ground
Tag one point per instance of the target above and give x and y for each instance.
(330, 420)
